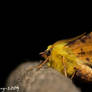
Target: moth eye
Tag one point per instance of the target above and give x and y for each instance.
(48, 53)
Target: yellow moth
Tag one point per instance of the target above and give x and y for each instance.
(71, 57)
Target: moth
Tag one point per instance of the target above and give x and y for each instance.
(71, 57)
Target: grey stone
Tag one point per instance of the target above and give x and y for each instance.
(30, 79)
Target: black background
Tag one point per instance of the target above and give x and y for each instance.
(26, 33)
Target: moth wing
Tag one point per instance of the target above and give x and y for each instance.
(82, 47)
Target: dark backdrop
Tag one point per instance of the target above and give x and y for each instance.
(23, 38)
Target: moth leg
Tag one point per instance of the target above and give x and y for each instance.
(73, 75)
(44, 62)
(38, 66)
(65, 73)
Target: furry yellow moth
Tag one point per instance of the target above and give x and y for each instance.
(71, 57)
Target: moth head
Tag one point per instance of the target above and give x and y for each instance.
(47, 52)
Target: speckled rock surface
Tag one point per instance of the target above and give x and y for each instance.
(39, 80)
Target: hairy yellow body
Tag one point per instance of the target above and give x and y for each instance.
(62, 57)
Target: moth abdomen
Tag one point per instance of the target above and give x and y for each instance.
(85, 72)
